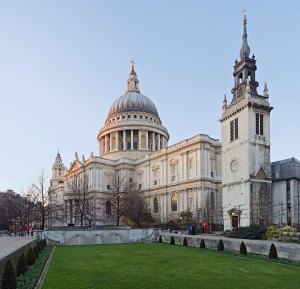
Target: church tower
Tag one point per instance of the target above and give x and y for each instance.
(58, 171)
(246, 185)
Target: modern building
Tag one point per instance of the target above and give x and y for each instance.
(232, 178)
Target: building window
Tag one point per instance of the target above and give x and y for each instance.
(174, 203)
(129, 116)
(155, 205)
(141, 116)
(234, 129)
(259, 121)
(108, 187)
(155, 182)
(212, 200)
(108, 208)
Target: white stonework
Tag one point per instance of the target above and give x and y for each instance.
(234, 178)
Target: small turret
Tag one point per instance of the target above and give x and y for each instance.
(132, 82)
(266, 92)
(58, 170)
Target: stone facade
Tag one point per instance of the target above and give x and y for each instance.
(232, 178)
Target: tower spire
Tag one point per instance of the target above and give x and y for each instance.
(245, 49)
(132, 82)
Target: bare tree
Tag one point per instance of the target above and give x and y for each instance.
(20, 209)
(137, 209)
(45, 207)
(208, 212)
(83, 198)
(115, 201)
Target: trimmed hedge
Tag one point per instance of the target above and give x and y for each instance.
(30, 257)
(243, 249)
(202, 244)
(9, 280)
(253, 232)
(221, 245)
(185, 242)
(172, 241)
(22, 265)
(273, 252)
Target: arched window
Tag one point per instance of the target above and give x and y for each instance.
(155, 205)
(108, 208)
(212, 200)
(174, 203)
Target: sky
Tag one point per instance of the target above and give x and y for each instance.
(64, 62)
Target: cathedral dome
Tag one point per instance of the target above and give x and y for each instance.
(132, 101)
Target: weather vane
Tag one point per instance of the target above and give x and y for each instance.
(244, 11)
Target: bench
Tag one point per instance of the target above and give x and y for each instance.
(289, 237)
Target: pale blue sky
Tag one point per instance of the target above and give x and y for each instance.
(63, 63)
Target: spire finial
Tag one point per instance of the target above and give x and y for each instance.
(132, 82)
(245, 50)
(266, 92)
(224, 102)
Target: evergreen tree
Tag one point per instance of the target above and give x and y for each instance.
(9, 280)
(30, 257)
(172, 241)
(160, 239)
(202, 244)
(273, 252)
(185, 242)
(221, 245)
(22, 265)
(243, 248)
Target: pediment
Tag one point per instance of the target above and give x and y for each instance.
(261, 174)
(75, 165)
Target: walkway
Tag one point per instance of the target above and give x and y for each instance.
(9, 245)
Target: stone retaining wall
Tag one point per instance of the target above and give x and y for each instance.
(14, 256)
(260, 247)
(113, 235)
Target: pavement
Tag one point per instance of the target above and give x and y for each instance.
(10, 244)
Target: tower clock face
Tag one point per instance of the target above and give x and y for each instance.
(234, 165)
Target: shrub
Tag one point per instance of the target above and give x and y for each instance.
(172, 241)
(160, 239)
(30, 257)
(9, 280)
(42, 244)
(45, 243)
(202, 244)
(243, 248)
(221, 245)
(253, 232)
(39, 248)
(36, 251)
(22, 265)
(185, 242)
(273, 252)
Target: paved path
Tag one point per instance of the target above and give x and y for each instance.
(11, 244)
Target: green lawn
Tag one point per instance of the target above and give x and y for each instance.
(157, 266)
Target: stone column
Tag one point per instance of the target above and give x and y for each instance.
(153, 141)
(147, 140)
(124, 139)
(139, 143)
(117, 140)
(131, 139)
(105, 143)
(158, 142)
(110, 142)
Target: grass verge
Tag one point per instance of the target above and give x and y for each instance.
(162, 266)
